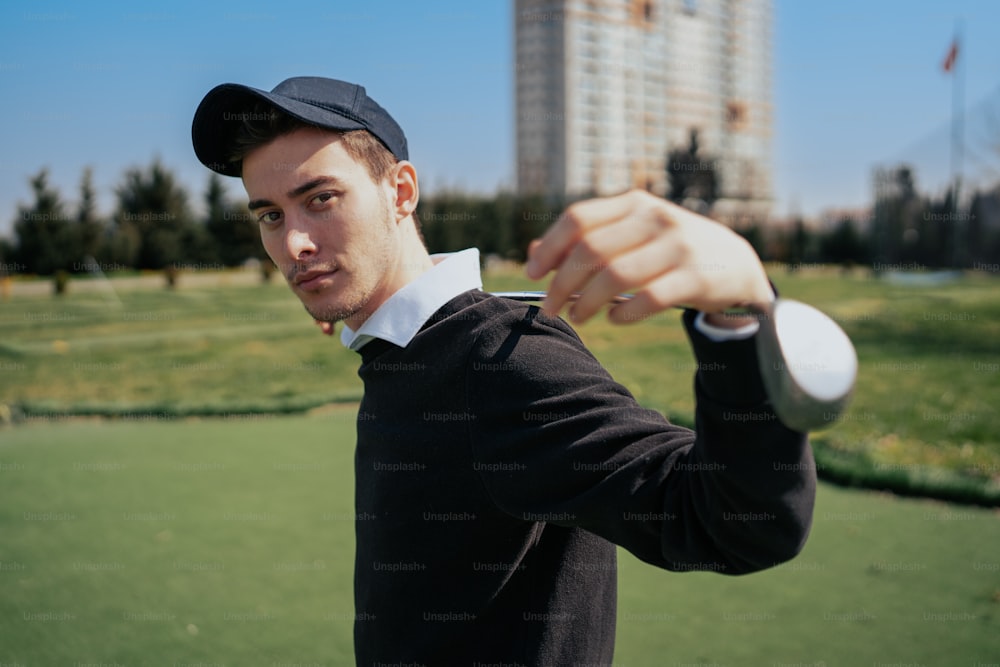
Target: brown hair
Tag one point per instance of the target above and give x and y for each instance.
(263, 123)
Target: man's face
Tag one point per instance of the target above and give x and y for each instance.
(327, 226)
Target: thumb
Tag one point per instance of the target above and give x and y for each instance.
(326, 327)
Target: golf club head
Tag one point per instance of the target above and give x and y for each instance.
(807, 363)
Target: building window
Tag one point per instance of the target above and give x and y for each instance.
(736, 115)
(643, 11)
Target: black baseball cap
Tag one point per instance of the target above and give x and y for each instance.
(325, 103)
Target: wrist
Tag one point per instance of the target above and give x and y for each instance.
(729, 320)
(766, 295)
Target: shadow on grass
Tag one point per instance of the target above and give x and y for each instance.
(854, 470)
(939, 325)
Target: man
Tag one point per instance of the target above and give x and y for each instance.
(497, 463)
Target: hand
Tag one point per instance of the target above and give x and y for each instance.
(637, 242)
(326, 327)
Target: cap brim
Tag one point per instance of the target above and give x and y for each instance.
(220, 114)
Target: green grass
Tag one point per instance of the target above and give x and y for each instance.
(176, 542)
(227, 347)
(231, 542)
(925, 411)
(924, 417)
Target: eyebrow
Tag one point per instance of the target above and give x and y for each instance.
(296, 191)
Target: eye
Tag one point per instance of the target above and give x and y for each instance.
(269, 218)
(321, 198)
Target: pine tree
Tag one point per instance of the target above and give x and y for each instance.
(153, 208)
(231, 228)
(89, 226)
(46, 240)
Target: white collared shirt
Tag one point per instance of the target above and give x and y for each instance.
(404, 313)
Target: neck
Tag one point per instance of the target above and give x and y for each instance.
(411, 261)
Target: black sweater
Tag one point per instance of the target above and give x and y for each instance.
(497, 465)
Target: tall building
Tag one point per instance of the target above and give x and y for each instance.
(605, 88)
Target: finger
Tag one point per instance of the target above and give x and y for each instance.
(590, 256)
(528, 266)
(673, 288)
(325, 327)
(534, 244)
(558, 239)
(634, 269)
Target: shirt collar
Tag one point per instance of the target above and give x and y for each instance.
(403, 314)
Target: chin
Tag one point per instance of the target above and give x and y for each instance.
(326, 309)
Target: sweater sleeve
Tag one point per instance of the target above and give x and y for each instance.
(556, 440)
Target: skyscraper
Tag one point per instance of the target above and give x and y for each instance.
(605, 88)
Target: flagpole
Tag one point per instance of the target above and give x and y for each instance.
(957, 136)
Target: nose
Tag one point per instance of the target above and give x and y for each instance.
(299, 242)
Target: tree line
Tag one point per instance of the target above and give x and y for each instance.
(905, 230)
(153, 226)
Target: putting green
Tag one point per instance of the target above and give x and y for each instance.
(231, 542)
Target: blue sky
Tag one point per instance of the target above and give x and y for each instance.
(113, 85)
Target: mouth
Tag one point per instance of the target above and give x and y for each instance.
(312, 281)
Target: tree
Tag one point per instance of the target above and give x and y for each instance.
(754, 235)
(797, 245)
(504, 206)
(799, 241)
(8, 264)
(46, 241)
(931, 239)
(790, 245)
(153, 208)
(844, 245)
(89, 227)
(231, 228)
(897, 209)
(691, 175)
(984, 231)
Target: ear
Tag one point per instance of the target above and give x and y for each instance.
(407, 191)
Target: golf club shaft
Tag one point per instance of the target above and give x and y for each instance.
(536, 296)
(540, 296)
(801, 406)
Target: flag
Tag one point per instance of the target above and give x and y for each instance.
(949, 60)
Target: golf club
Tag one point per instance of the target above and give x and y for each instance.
(807, 363)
